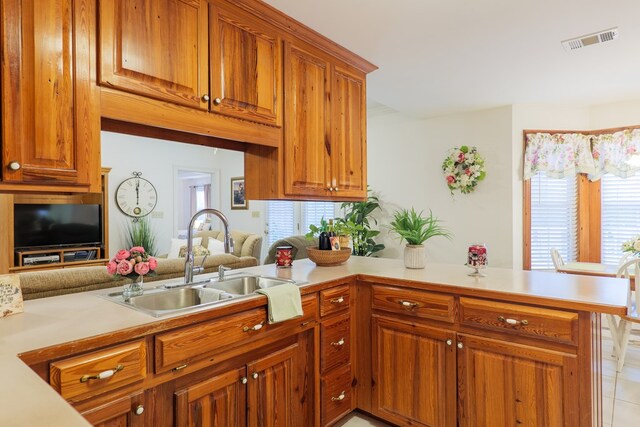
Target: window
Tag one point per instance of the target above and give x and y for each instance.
(554, 219)
(286, 218)
(620, 207)
(585, 221)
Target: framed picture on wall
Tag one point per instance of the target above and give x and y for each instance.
(237, 194)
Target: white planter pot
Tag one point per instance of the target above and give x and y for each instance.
(414, 256)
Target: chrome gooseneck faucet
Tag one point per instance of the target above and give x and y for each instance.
(228, 241)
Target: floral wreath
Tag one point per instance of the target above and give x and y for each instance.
(463, 169)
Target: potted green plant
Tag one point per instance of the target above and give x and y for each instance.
(360, 214)
(416, 229)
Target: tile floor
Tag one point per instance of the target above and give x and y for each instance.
(620, 391)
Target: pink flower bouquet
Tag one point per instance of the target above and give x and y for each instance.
(132, 263)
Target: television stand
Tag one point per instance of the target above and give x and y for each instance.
(41, 259)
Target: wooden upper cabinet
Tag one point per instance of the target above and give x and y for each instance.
(307, 147)
(156, 48)
(510, 384)
(50, 123)
(246, 66)
(349, 130)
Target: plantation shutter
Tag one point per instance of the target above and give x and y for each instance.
(280, 221)
(620, 203)
(554, 219)
(313, 212)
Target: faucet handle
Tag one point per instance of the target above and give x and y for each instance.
(221, 270)
(230, 245)
(200, 269)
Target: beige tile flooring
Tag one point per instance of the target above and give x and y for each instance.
(620, 391)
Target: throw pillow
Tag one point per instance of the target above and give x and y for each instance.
(198, 250)
(215, 247)
(176, 244)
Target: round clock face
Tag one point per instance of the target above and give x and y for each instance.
(136, 197)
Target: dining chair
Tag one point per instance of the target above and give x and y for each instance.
(621, 329)
(556, 258)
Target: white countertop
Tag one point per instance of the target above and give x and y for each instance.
(26, 400)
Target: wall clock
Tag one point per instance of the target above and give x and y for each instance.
(136, 197)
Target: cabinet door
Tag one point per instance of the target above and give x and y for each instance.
(246, 58)
(156, 48)
(504, 384)
(348, 137)
(216, 402)
(127, 411)
(307, 149)
(414, 373)
(271, 389)
(50, 124)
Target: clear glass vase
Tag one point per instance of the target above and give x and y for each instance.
(134, 288)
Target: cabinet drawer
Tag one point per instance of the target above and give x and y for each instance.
(336, 395)
(412, 302)
(335, 342)
(334, 300)
(192, 343)
(117, 366)
(535, 322)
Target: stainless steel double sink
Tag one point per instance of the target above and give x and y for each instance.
(164, 300)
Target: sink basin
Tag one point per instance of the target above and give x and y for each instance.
(162, 301)
(245, 285)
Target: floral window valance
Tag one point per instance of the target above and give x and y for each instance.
(558, 155)
(566, 154)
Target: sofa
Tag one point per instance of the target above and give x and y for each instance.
(47, 283)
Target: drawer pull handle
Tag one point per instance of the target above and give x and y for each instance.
(179, 368)
(338, 343)
(304, 323)
(513, 322)
(339, 398)
(102, 375)
(253, 328)
(408, 304)
(338, 300)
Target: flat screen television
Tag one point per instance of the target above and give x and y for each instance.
(56, 225)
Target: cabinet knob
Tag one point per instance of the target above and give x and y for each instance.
(330, 188)
(14, 166)
(139, 410)
(217, 101)
(460, 345)
(449, 342)
(335, 189)
(338, 343)
(205, 98)
(243, 380)
(254, 376)
(339, 398)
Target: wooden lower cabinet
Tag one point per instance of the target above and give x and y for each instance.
(274, 390)
(506, 384)
(414, 373)
(125, 411)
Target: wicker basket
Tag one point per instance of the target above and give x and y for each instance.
(329, 258)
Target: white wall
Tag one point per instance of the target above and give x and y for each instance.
(158, 161)
(617, 114)
(404, 164)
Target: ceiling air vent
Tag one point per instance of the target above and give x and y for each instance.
(589, 39)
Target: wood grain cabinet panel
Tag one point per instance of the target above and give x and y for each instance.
(336, 395)
(156, 48)
(504, 384)
(307, 147)
(126, 411)
(100, 371)
(535, 322)
(335, 342)
(348, 133)
(414, 373)
(415, 303)
(335, 300)
(246, 66)
(50, 121)
(216, 402)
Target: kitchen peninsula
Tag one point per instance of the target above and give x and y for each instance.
(375, 336)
